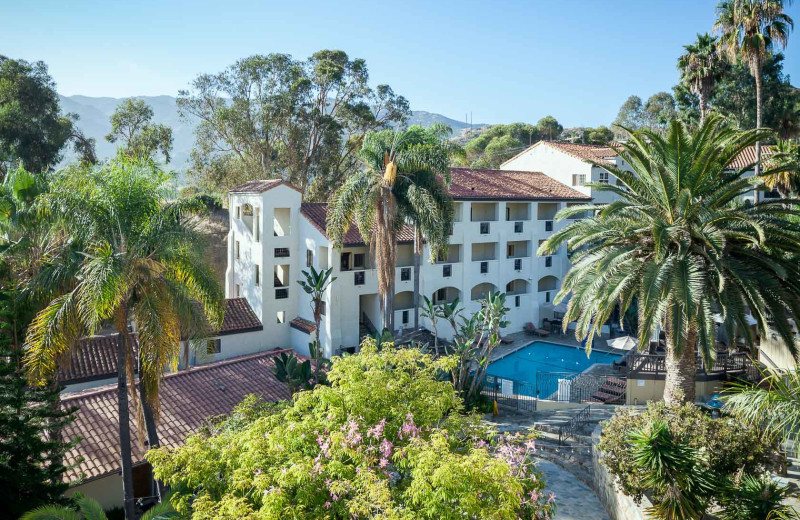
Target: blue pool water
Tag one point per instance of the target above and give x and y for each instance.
(542, 356)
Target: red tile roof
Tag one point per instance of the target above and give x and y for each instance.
(317, 214)
(303, 325)
(472, 184)
(188, 398)
(260, 186)
(96, 356)
(239, 317)
(748, 156)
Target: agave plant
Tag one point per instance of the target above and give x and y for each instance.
(758, 498)
(290, 370)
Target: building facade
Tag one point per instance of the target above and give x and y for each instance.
(501, 218)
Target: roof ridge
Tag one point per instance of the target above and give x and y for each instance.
(174, 375)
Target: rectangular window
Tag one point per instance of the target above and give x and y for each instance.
(258, 275)
(358, 278)
(358, 260)
(281, 317)
(281, 252)
(603, 177)
(517, 227)
(405, 274)
(238, 291)
(516, 301)
(511, 251)
(405, 317)
(441, 295)
(309, 258)
(323, 307)
(484, 267)
(257, 224)
(345, 262)
(548, 225)
(547, 297)
(484, 228)
(451, 229)
(578, 179)
(548, 261)
(238, 212)
(214, 346)
(238, 250)
(508, 213)
(281, 294)
(518, 264)
(447, 271)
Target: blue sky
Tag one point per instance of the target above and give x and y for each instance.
(502, 61)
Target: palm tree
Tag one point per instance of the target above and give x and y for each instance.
(700, 67)
(432, 312)
(679, 241)
(137, 261)
(773, 404)
(315, 285)
(786, 161)
(399, 184)
(750, 30)
(88, 509)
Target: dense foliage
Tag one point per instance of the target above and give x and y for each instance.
(387, 440)
(680, 241)
(138, 136)
(32, 128)
(711, 451)
(270, 115)
(501, 142)
(31, 449)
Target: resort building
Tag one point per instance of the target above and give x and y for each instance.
(501, 218)
(575, 165)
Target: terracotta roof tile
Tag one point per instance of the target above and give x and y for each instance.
(96, 356)
(303, 325)
(239, 317)
(260, 186)
(188, 398)
(471, 184)
(317, 214)
(748, 156)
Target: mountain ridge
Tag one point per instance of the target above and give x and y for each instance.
(94, 113)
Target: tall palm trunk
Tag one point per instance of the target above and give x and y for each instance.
(386, 254)
(701, 94)
(681, 367)
(759, 87)
(417, 261)
(152, 430)
(126, 458)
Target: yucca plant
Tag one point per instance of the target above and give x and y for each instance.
(134, 258)
(680, 242)
(315, 285)
(757, 498)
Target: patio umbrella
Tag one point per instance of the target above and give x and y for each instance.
(623, 343)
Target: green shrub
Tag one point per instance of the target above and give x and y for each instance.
(724, 446)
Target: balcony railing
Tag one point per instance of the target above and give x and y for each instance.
(725, 363)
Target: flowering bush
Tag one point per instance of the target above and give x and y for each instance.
(387, 440)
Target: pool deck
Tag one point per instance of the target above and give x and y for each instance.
(523, 339)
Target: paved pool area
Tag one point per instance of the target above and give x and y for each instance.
(574, 499)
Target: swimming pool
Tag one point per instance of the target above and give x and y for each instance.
(543, 356)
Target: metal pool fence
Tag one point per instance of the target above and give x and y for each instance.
(553, 386)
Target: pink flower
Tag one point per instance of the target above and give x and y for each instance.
(377, 431)
(383, 463)
(327, 505)
(386, 449)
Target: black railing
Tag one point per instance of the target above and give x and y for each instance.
(574, 425)
(725, 364)
(566, 387)
(508, 393)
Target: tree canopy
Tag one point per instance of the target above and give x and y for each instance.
(387, 440)
(272, 115)
(139, 137)
(501, 142)
(33, 131)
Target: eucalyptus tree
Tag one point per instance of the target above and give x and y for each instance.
(680, 242)
(751, 30)
(134, 259)
(700, 66)
(315, 285)
(404, 180)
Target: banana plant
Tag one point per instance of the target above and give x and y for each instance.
(290, 370)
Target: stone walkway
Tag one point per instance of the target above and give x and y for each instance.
(574, 499)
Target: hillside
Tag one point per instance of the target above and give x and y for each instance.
(94, 113)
